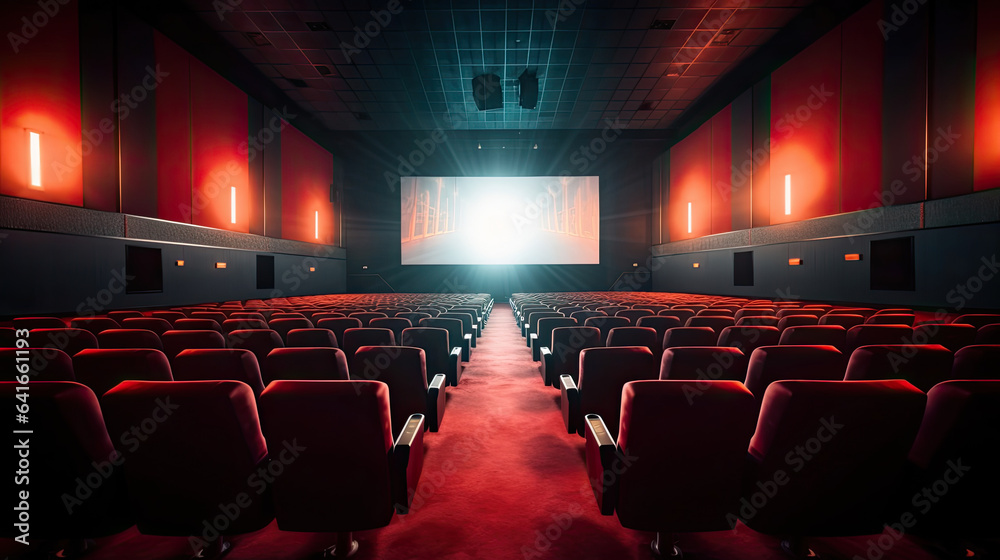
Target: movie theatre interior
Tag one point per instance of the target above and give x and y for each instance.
(702, 278)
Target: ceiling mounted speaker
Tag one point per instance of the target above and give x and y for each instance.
(529, 90)
(486, 92)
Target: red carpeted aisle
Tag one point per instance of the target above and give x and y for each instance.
(502, 480)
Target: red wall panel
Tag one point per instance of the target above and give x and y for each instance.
(987, 135)
(40, 92)
(861, 110)
(219, 133)
(173, 132)
(306, 176)
(722, 170)
(691, 182)
(805, 132)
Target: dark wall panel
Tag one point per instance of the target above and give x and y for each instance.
(904, 107)
(861, 110)
(97, 93)
(952, 107)
(722, 175)
(270, 157)
(255, 168)
(761, 181)
(742, 159)
(173, 133)
(136, 107)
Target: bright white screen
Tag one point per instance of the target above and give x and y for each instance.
(500, 220)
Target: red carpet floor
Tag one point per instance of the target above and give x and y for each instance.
(503, 480)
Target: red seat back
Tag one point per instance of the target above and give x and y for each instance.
(923, 365)
(305, 363)
(603, 374)
(219, 364)
(103, 369)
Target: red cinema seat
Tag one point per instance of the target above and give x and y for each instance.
(542, 337)
(403, 369)
(682, 315)
(563, 358)
(170, 316)
(286, 315)
(219, 364)
(987, 334)
(788, 312)
(43, 364)
(456, 333)
(958, 445)
(176, 341)
(923, 365)
(582, 316)
(862, 311)
(311, 495)
(953, 336)
(865, 335)
(634, 315)
(824, 335)
(977, 320)
(758, 321)
(844, 320)
(305, 363)
(611, 310)
(70, 341)
(603, 374)
(211, 426)
(366, 317)
(712, 312)
(69, 443)
(102, 369)
(468, 324)
(704, 363)
(749, 338)
(699, 464)
(441, 356)
(394, 324)
(258, 341)
(978, 361)
(778, 363)
(789, 321)
(95, 325)
(660, 323)
(365, 336)
(129, 338)
(311, 338)
(217, 316)
(689, 336)
(230, 325)
(830, 452)
(605, 324)
(634, 336)
(282, 326)
(193, 324)
(714, 323)
(159, 326)
(250, 315)
(119, 316)
(748, 312)
(338, 326)
(891, 319)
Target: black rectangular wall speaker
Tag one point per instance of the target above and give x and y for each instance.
(486, 92)
(892, 264)
(265, 272)
(143, 270)
(529, 90)
(743, 268)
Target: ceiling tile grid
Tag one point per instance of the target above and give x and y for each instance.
(359, 66)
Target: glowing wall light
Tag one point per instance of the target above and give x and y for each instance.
(316, 225)
(852, 257)
(35, 148)
(695, 265)
(179, 263)
(232, 205)
(788, 194)
(220, 265)
(794, 262)
(689, 217)
(312, 269)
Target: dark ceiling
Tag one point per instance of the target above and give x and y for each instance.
(358, 66)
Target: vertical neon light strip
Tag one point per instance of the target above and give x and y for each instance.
(35, 147)
(689, 217)
(232, 205)
(788, 195)
(316, 225)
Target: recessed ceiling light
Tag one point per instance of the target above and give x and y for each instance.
(324, 70)
(258, 39)
(724, 37)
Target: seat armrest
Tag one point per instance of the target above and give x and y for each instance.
(601, 451)
(535, 348)
(477, 328)
(455, 366)
(473, 335)
(527, 336)
(548, 363)
(435, 402)
(407, 462)
(570, 403)
(466, 348)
